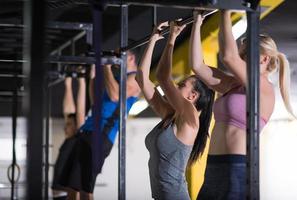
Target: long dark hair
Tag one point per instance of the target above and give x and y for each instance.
(204, 104)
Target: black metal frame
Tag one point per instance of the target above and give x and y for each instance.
(35, 72)
(253, 105)
(34, 12)
(14, 132)
(189, 4)
(122, 101)
(47, 108)
(56, 25)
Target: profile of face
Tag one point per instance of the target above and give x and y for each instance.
(268, 53)
(70, 126)
(186, 89)
(131, 59)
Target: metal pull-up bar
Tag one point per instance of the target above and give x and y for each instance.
(164, 32)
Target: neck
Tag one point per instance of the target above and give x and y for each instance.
(131, 68)
(265, 74)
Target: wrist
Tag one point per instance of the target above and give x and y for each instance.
(153, 39)
(108, 67)
(172, 38)
(197, 22)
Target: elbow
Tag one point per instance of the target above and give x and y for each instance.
(114, 98)
(227, 59)
(139, 79)
(196, 67)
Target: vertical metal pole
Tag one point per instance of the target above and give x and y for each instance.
(123, 115)
(48, 97)
(14, 126)
(253, 113)
(97, 138)
(59, 64)
(34, 14)
(155, 17)
(89, 37)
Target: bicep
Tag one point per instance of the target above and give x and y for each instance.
(173, 95)
(160, 106)
(237, 66)
(216, 79)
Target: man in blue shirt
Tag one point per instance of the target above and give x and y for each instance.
(78, 176)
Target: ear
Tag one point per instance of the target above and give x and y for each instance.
(264, 59)
(131, 58)
(193, 96)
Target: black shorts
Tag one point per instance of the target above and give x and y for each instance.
(65, 152)
(82, 162)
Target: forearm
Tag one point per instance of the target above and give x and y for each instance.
(145, 63)
(227, 43)
(91, 91)
(165, 63)
(111, 85)
(81, 101)
(68, 101)
(91, 84)
(196, 54)
(143, 72)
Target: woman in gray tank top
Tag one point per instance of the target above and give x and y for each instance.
(184, 110)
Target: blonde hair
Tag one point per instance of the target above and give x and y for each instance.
(278, 61)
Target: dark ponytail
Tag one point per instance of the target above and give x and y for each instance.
(203, 104)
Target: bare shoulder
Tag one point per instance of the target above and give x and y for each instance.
(190, 115)
(266, 87)
(267, 98)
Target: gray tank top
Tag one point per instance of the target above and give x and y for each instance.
(167, 163)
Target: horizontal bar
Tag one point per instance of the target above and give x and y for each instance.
(10, 94)
(56, 25)
(165, 31)
(188, 4)
(69, 25)
(112, 60)
(12, 60)
(12, 76)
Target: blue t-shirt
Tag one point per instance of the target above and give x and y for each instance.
(108, 108)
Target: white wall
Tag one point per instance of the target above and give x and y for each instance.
(137, 165)
(278, 159)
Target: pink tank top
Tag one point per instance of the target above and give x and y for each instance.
(230, 108)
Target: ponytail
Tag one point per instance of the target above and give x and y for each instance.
(284, 81)
(204, 104)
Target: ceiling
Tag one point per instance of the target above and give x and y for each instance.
(279, 24)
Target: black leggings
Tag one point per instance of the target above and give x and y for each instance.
(225, 178)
